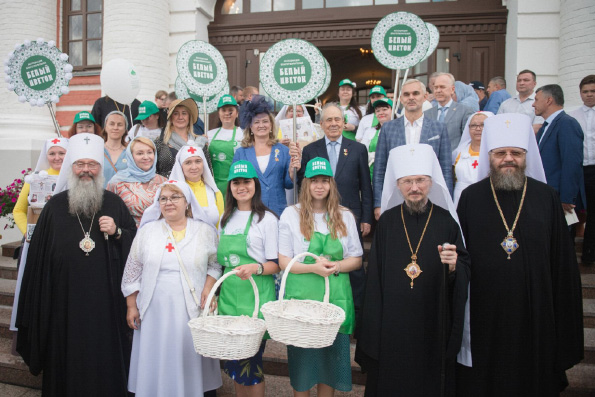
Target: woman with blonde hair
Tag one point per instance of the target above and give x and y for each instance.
(319, 225)
(181, 117)
(274, 162)
(137, 184)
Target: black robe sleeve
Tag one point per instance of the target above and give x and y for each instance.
(34, 308)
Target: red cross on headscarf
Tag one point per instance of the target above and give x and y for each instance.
(191, 150)
(169, 247)
(475, 164)
(55, 141)
(171, 181)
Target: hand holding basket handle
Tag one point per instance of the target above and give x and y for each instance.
(218, 283)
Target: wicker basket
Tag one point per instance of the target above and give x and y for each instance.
(303, 323)
(227, 337)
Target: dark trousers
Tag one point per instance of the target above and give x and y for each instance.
(589, 240)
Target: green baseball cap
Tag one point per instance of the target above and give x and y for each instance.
(377, 89)
(242, 169)
(146, 109)
(347, 82)
(318, 166)
(382, 101)
(226, 100)
(83, 116)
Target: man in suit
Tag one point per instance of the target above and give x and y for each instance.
(449, 112)
(412, 128)
(349, 162)
(560, 141)
(585, 115)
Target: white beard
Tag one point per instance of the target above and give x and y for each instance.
(85, 197)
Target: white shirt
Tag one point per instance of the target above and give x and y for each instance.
(263, 162)
(413, 131)
(292, 242)
(225, 135)
(514, 105)
(365, 123)
(549, 122)
(262, 238)
(140, 130)
(586, 118)
(351, 115)
(368, 135)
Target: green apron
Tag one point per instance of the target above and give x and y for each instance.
(372, 149)
(311, 285)
(237, 296)
(374, 121)
(221, 157)
(349, 134)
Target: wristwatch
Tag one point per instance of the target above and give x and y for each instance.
(260, 269)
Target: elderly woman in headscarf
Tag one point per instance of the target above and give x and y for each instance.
(466, 156)
(84, 122)
(49, 163)
(114, 135)
(169, 273)
(137, 184)
(181, 117)
(274, 162)
(466, 95)
(191, 166)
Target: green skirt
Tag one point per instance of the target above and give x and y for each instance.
(329, 365)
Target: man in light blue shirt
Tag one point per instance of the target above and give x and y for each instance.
(498, 94)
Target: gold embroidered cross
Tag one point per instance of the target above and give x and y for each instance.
(507, 122)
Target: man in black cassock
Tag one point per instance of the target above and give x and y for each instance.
(525, 300)
(413, 312)
(71, 313)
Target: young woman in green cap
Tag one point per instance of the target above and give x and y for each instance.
(84, 122)
(248, 244)
(382, 109)
(319, 225)
(370, 120)
(151, 122)
(224, 140)
(351, 109)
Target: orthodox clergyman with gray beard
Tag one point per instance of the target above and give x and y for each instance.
(417, 281)
(71, 314)
(524, 326)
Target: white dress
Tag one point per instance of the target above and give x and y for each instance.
(163, 360)
(466, 172)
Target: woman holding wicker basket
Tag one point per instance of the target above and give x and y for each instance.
(248, 244)
(319, 225)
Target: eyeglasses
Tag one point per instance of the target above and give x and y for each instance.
(418, 181)
(500, 154)
(476, 126)
(79, 165)
(174, 199)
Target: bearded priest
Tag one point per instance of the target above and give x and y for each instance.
(525, 323)
(416, 285)
(71, 314)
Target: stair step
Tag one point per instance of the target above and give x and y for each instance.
(8, 268)
(588, 282)
(13, 369)
(582, 380)
(5, 312)
(7, 291)
(8, 248)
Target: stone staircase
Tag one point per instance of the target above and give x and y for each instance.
(13, 371)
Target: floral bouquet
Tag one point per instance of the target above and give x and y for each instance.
(9, 196)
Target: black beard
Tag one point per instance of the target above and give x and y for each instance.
(416, 207)
(509, 180)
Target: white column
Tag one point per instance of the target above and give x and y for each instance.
(23, 129)
(577, 47)
(138, 31)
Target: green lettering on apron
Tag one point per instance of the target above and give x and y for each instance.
(311, 285)
(221, 153)
(237, 297)
(372, 149)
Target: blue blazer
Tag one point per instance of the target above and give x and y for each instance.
(392, 134)
(275, 178)
(561, 150)
(352, 175)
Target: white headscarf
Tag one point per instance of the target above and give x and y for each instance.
(185, 152)
(80, 146)
(42, 162)
(153, 213)
(510, 130)
(411, 160)
(282, 115)
(466, 137)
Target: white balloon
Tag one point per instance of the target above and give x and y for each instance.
(6, 62)
(28, 179)
(51, 43)
(10, 87)
(6, 69)
(33, 103)
(68, 68)
(17, 46)
(11, 55)
(27, 43)
(120, 81)
(7, 78)
(64, 57)
(55, 98)
(68, 76)
(22, 99)
(40, 102)
(65, 90)
(40, 41)
(43, 173)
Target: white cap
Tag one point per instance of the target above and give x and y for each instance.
(42, 162)
(80, 146)
(153, 213)
(466, 137)
(411, 160)
(185, 152)
(510, 130)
